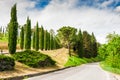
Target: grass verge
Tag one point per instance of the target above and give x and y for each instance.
(109, 68)
(74, 61)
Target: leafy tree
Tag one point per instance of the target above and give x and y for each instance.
(13, 31)
(110, 52)
(67, 35)
(42, 38)
(22, 38)
(28, 34)
(37, 37)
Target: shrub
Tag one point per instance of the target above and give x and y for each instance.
(6, 63)
(33, 59)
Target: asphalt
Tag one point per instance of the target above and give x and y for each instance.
(91, 71)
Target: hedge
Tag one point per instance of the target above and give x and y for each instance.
(6, 63)
(33, 59)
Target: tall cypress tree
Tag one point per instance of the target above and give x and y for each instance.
(48, 41)
(80, 44)
(45, 40)
(37, 37)
(28, 34)
(22, 38)
(33, 40)
(51, 42)
(13, 31)
(87, 44)
(42, 38)
(94, 45)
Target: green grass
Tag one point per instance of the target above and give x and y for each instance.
(74, 61)
(4, 39)
(109, 68)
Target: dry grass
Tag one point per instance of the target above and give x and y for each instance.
(59, 55)
(4, 46)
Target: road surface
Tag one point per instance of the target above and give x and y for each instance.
(90, 71)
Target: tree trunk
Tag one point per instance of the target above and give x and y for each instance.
(69, 49)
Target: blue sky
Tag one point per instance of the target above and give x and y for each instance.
(112, 4)
(99, 16)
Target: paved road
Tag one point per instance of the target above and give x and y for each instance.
(90, 71)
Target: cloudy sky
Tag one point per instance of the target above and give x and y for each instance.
(98, 16)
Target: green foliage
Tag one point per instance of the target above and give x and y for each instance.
(37, 37)
(110, 52)
(109, 68)
(74, 61)
(42, 38)
(34, 59)
(13, 30)
(34, 40)
(22, 38)
(48, 41)
(28, 34)
(6, 63)
(45, 39)
(51, 42)
(79, 44)
(67, 35)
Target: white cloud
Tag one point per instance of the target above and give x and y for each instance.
(58, 14)
(117, 9)
(106, 3)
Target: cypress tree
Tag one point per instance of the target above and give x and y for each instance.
(22, 38)
(87, 44)
(48, 41)
(94, 45)
(45, 40)
(34, 40)
(13, 31)
(42, 38)
(79, 44)
(28, 34)
(37, 37)
(51, 42)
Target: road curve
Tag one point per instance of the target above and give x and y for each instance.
(90, 71)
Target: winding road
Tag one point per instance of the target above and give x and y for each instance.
(90, 71)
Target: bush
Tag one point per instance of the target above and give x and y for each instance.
(33, 59)
(6, 63)
(74, 61)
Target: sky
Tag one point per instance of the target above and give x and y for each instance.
(99, 16)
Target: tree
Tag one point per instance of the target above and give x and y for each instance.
(22, 38)
(13, 31)
(48, 41)
(34, 40)
(37, 37)
(28, 34)
(94, 45)
(79, 44)
(45, 39)
(51, 42)
(42, 38)
(87, 44)
(67, 35)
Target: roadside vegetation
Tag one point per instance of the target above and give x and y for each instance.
(110, 53)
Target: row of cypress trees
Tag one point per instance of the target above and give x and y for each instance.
(40, 38)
